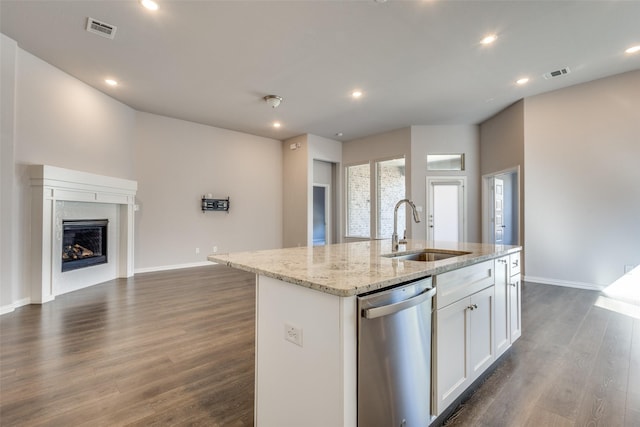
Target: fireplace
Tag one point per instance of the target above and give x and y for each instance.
(62, 200)
(84, 243)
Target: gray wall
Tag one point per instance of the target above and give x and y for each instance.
(582, 146)
(62, 122)
(59, 121)
(298, 176)
(176, 162)
(393, 144)
(296, 172)
(8, 52)
(502, 148)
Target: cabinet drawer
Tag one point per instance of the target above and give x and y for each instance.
(514, 264)
(457, 284)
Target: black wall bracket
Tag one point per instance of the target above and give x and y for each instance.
(215, 204)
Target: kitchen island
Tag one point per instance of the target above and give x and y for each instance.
(306, 318)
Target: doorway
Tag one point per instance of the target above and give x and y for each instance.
(321, 220)
(500, 211)
(446, 208)
(321, 214)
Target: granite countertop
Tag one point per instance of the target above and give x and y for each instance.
(348, 269)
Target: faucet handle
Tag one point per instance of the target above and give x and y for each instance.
(404, 238)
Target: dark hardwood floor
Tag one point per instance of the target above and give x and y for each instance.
(177, 348)
(168, 348)
(576, 364)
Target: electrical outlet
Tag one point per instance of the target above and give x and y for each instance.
(197, 251)
(215, 249)
(293, 334)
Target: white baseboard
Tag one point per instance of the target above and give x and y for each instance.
(566, 283)
(16, 304)
(172, 267)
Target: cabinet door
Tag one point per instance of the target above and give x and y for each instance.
(502, 335)
(452, 348)
(515, 302)
(480, 337)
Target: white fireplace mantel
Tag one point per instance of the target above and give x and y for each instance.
(50, 184)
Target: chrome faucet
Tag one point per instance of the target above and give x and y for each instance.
(416, 217)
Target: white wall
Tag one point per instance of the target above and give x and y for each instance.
(446, 140)
(176, 162)
(582, 151)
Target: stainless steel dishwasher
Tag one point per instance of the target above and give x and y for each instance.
(394, 356)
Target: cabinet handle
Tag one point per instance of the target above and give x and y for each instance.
(472, 307)
(514, 284)
(515, 263)
(504, 261)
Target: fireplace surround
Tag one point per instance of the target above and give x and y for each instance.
(63, 195)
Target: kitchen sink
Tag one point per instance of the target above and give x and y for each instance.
(426, 255)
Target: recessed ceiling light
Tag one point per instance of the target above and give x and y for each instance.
(633, 49)
(111, 82)
(356, 93)
(149, 4)
(522, 80)
(489, 39)
(339, 134)
(276, 125)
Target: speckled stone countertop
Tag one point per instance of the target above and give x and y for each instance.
(347, 269)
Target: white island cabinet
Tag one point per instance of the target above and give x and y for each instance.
(307, 323)
(464, 333)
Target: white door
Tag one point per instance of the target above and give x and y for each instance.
(498, 209)
(446, 209)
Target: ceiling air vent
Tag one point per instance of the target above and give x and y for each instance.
(557, 73)
(101, 28)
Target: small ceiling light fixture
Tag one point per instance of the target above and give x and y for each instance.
(489, 39)
(111, 82)
(633, 49)
(273, 100)
(523, 80)
(276, 125)
(149, 4)
(356, 94)
(339, 134)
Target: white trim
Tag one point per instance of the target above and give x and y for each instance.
(487, 203)
(50, 184)
(16, 304)
(172, 267)
(458, 180)
(565, 283)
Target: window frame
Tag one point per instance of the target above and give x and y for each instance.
(373, 196)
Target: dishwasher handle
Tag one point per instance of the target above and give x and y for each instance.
(385, 310)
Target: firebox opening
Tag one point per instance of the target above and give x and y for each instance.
(84, 243)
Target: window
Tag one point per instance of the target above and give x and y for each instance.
(388, 189)
(390, 179)
(358, 200)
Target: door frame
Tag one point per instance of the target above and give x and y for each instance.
(487, 203)
(460, 180)
(327, 214)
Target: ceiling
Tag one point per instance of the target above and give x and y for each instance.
(417, 62)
